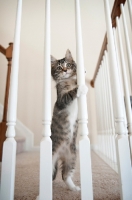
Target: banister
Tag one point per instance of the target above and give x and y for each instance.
(115, 12)
(2, 50)
(7, 52)
(104, 46)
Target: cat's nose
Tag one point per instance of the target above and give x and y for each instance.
(64, 69)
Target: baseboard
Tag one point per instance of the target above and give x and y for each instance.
(22, 130)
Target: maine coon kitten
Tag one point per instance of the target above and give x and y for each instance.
(64, 120)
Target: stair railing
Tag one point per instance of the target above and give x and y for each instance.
(7, 52)
(112, 81)
(9, 147)
(84, 142)
(45, 187)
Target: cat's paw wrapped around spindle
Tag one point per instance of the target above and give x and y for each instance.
(82, 90)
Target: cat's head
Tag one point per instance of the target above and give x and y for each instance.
(63, 68)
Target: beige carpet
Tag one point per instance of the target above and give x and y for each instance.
(105, 180)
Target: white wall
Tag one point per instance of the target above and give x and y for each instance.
(31, 51)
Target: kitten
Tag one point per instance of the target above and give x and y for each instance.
(64, 120)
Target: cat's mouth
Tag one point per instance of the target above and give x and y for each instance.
(69, 75)
(66, 75)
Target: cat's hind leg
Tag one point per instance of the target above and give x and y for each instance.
(67, 172)
(55, 171)
(54, 165)
(68, 181)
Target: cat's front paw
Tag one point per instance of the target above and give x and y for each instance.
(82, 89)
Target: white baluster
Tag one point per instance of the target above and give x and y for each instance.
(98, 111)
(84, 143)
(109, 132)
(128, 48)
(122, 144)
(106, 151)
(99, 107)
(96, 105)
(102, 110)
(119, 73)
(125, 80)
(130, 10)
(45, 190)
(111, 109)
(107, 112)
(9, 147)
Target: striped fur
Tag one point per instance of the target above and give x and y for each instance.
(64, 120)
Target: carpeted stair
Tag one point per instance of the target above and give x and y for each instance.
(105, 180)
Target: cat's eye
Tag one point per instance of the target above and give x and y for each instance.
(68, 65)
(59, 67)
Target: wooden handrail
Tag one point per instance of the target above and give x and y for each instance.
(8, 54)
(115, 12)
(104, 47)
(2, 49)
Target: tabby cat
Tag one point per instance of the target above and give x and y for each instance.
(64, 120)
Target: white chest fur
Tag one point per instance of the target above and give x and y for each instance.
(73, 112)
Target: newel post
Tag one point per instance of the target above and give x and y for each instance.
(45, 188)
(122, 144)
(84, 143)
(9, 147)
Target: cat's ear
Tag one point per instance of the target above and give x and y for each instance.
(53, 59)
(68, 55)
